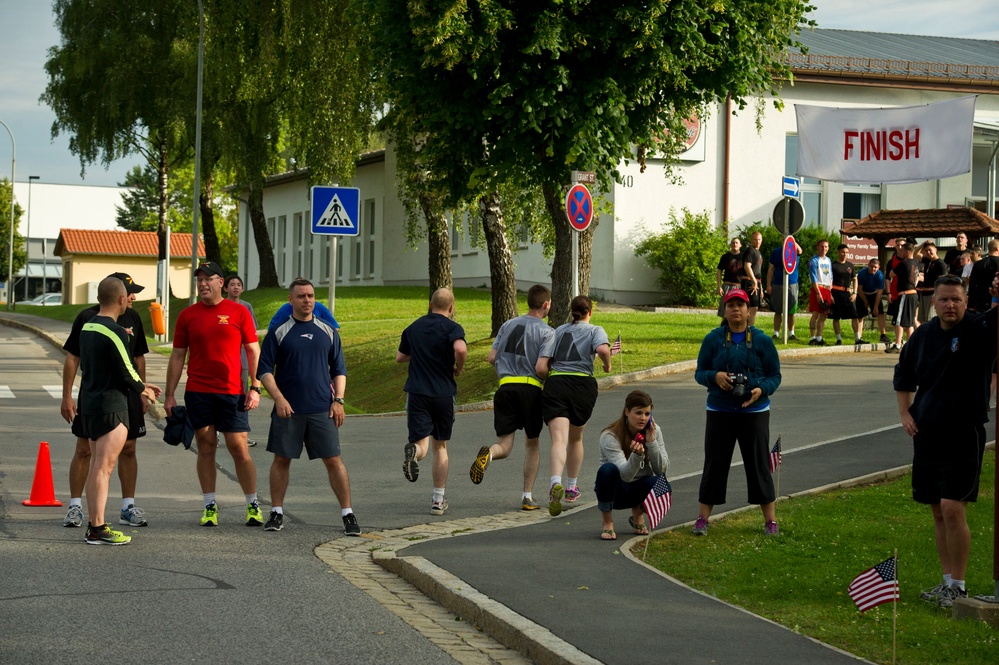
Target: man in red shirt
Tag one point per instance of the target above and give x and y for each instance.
(213, 331)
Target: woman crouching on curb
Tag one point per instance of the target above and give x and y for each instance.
(632, 454)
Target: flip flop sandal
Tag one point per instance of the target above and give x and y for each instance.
(608, 534)
(640, 529)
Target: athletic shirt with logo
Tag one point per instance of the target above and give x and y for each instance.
(304, 357)
(130, 321)
(752, 257)
(820, 270)
(906, 274)
(518, 345)
(574, 346)
(842, 274)
(731, 266)
(107, 368)
(213, 335)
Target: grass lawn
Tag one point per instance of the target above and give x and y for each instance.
(799, 579)
(372, 318)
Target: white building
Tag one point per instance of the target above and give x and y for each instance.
(731, 170)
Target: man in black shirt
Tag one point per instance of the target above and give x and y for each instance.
(107, 373)
(844, 295)
(953, 256)
(728, 275)
(982, 273)
(752, 274)
(905, 277)
(942, 382)
(933, 269)
(128, 468)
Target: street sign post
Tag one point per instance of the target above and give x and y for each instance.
(791, 187)
(789, 256)
(788, 216)
(579, 208)
(336, 211)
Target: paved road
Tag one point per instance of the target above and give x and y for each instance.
(184, 593)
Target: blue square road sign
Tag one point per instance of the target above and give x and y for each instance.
(336, 210)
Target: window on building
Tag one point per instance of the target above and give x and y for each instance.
(811, 189)
(859, 201)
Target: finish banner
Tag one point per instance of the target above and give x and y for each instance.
(908, 144)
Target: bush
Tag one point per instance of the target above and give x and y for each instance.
(686, 256)
(807, 237)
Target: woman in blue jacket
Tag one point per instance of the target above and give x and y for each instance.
(739, 365)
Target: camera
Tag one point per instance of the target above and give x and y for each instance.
(738, 385)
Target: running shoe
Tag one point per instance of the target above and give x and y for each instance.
(820, 342)
(791, 336)
(775, 337)
(133, 516)
(572, 494)
(555, 495)
(438, 507)
(771, 528)
(949, 595)
(480, 465)
(254, 517)
(251, 443)
(701, 527)
(410, 467)
(211, 515)
(812, 342)
(885, 339)
(933, 594)
(529, 504)
(74, 516)
(104, 535)
(859, 341)
(894, 348)
(275, 522)
(352, 528)
(839, 341)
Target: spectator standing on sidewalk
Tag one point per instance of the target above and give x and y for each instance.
(982, 274)
(434, 346)
(775, 289)
(844, 295)
(953, 256)
(729, 273)
(870, 288)
(942, 385)
(933, 269)
(905, 277)
(752, 274)
(517, 403)
(741, 370)
(820, 297)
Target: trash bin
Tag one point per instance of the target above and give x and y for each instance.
(156, 316)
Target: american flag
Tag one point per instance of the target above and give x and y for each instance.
(875, 586)
(775, 456)
(616, 346)
(658, 501)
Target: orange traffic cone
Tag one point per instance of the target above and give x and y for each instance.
(42, 491)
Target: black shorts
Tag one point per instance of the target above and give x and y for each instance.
(518, 406)
(863, 311)
(893, 309)
(94, 427)
(136, 420)
(569, 396)
(226, 413)
(429, 416)
(842, 308)
(905, 315)
(316, 432)
(947, 462)
(754, 298)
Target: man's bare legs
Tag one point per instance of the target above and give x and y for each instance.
(104, 454)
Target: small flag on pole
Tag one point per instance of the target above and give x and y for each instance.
(658, 501)
(775, 456)
(875, 586)
(616, 346)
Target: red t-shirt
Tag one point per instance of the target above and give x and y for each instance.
(213, 335)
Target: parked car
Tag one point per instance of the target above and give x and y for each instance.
(44, 299)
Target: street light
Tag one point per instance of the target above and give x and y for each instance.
(27, 243)
(197, 156)
(10, 241)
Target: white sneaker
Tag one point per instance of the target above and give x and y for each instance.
(438, 507)
(74, 516)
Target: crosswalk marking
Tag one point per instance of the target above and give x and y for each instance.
(6, 392)
(54, 391)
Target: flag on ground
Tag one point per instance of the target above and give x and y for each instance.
(658, 501)
(616, 346)
(875, 585)
(775, 456)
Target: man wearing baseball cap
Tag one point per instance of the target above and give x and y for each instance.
(128, 468)
(214, 330)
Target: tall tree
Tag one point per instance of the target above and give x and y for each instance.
(551, 86)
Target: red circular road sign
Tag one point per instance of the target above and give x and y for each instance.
(790, 253)
(579, 207)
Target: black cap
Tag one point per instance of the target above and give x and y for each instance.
(130, 285)
(210, 268)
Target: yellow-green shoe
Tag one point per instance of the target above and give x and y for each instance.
(211, 515)
(480, 465)
(555, 495)
(105, 535)
(254, 516)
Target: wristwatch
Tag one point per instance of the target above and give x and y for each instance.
(338, 400)
(257, 390)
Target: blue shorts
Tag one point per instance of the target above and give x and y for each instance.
(225, 413)
(429, 416)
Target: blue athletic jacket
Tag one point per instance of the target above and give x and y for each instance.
(760, 363)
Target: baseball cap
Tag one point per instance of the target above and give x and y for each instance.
(210, 268)
(130, 285)
(737, 293)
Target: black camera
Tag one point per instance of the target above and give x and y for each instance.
(738, 385)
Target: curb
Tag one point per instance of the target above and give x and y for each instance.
(38, 332)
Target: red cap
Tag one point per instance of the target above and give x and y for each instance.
(737, 293)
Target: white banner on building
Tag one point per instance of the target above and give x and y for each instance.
(907, 144)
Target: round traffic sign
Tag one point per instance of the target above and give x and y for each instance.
(579, 207)
(790, 255)
(791, 221)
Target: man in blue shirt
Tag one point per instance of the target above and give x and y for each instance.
(775, 289)
(870, 287)
(308, 401)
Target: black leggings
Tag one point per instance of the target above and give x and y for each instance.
(752, 430)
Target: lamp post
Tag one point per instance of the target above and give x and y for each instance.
(27, 243)
(10, 238)
(197, 155)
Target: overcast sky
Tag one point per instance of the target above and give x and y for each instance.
(27, 32)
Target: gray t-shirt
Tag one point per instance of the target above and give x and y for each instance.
(518, 344)
(574, 346)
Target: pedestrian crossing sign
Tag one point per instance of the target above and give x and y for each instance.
(336, 210)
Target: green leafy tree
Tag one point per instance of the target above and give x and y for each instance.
(140, 208)
(20, 257)
(685, 256)
(548, 87)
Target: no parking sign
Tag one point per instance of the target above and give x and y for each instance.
(579, 207)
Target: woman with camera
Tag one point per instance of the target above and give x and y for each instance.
(739, 365)
(632, 454)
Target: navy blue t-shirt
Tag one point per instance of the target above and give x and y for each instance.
(429, 343)
(304, 356)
